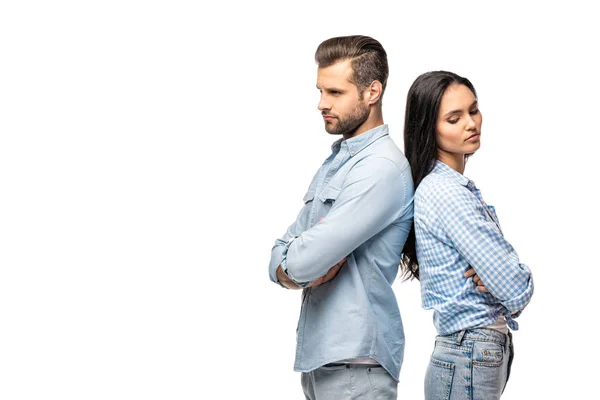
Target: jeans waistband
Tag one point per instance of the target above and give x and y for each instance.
(479, 335)
(352, 365)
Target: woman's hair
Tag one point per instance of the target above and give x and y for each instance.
(420, 143)
(368, 59)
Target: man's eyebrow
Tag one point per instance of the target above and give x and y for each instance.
(331, 89)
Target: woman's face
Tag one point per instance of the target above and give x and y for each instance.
(458, 126)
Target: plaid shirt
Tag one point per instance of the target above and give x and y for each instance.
(455, 229)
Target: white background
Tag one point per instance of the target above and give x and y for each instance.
(152, 151)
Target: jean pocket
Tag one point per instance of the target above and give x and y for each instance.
(381, 383)
(438, 379)
(489, 370)
(488, 354)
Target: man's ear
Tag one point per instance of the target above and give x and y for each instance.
(373, 92)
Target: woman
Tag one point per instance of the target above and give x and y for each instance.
(470, 275)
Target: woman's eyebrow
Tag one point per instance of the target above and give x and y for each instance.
(459, 111)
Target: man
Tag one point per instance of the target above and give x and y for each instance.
(345, 246)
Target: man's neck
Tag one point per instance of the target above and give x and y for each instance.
(374, 120)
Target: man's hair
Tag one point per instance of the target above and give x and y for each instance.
(367, 56)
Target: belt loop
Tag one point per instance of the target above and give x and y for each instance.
(460, 336)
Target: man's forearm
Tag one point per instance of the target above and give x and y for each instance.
(365, 206)
(277, 253)
(285, 280)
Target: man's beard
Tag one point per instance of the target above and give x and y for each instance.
(349, 124)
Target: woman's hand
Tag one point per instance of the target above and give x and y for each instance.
(476, 279)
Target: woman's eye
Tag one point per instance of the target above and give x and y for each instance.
(453, 121)
(474, 112)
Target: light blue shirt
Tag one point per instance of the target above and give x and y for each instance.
(456, 229)
(364, 192)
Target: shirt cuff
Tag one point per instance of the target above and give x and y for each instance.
(284, 263)
(517, 305)
(284, 268)
(279, 258)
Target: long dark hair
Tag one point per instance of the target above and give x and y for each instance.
(420, 143)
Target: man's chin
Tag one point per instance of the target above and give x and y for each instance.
(333, 132)
(329, 128)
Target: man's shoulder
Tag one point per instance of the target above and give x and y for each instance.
(384, 151)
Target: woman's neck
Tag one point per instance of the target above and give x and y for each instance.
(454, 161)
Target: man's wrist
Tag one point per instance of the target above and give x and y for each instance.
(282, 278)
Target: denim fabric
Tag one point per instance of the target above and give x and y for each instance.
(359, 205)
(349, 382)
(469, 365)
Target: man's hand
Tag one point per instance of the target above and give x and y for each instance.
(290, 284)
(333, 271)
(476, 279)
(285, 280)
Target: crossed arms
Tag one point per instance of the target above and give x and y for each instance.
(374, 195)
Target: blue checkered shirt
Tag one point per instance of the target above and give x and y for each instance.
(455, 229)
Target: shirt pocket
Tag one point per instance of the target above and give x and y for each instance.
(329, 195)
(323, 203)
(309, 196)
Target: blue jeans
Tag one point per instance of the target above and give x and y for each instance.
(469, 365)
(349, 382)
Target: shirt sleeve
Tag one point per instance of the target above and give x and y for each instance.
(480, 242)
(280, 248)
(374, 194)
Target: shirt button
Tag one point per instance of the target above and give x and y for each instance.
(352, 152)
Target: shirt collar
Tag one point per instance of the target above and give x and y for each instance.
(357, 143)
(442, 169)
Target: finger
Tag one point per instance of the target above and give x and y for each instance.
(316, 282)
(479, 281)
(327, 277)
(470, 272)
(482, 289)
(333, 271)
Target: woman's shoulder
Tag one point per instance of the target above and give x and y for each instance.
(437, 192)
(434, 185)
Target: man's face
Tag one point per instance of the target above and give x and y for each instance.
(344, 109)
